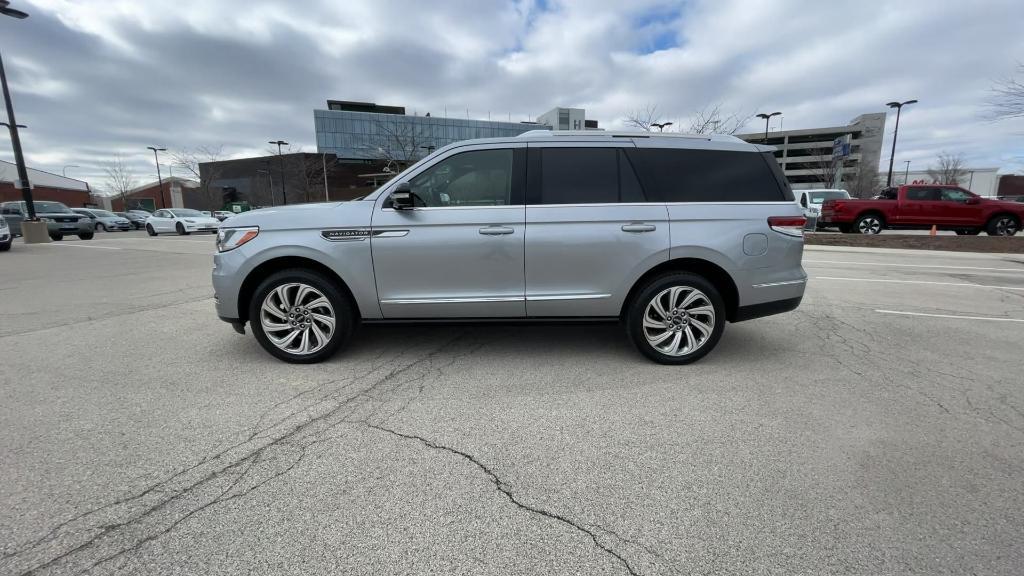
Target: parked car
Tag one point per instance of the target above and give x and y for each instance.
(811, 201)
(143, 213)
(60, 220)
(6, 238)
(103, 220)
(184, 221)
(138, 221)
(923, 206)
(674, 235)
(220, 215)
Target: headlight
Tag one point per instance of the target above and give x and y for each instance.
(190, 221)
(231, 238)
(45, 219)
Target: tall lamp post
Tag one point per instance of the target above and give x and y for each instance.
(661, 127)
(12, 125)
(767, 117)
(899, 107)
(64, 170)
(280, 163)
(906, 173)
(159, 178)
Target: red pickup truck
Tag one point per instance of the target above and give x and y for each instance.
(924, 206)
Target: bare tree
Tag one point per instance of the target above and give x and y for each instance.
(190, 160)
(948, 170)
(711, 119)
(864, 182)
(643, 118)
(405, 144)
(314, 177)
(1007, 99)
(120, 180)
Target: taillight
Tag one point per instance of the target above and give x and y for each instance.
(788, 225)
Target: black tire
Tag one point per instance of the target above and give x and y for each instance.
(968, 231)
(869, 223)
(86, 236)
(845, 228)
(1003, 225)
(637, 310)
(345, 316)
(150, 230)
(56, 237)
(5, 246)
(181, 229)
(101, 228)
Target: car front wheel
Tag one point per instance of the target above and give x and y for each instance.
(85, 236)
(181, 229)
(150, 230)
(101, 228)
(56, 237)
(300, 316)
(676, 318)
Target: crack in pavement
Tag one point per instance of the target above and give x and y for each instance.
(504, 489)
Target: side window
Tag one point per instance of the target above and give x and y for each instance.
(160, 214)
(579, 175)
(629, 185)
(476, 178)
(922, 194)
(955, 195)
(685, 175)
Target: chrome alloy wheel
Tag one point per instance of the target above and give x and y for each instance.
(297, 318)
(679, 320)
(869, 225)
(1006, 226)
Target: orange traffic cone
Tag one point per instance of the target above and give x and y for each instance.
(934, 231)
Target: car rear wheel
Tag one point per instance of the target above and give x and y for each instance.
(968, 231)
(1003, 225)
(85, 236)
(868, 224)
(181, 229)
(676, 318)
(300, 316)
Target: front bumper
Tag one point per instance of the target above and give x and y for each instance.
(80, 227)
(227, 280)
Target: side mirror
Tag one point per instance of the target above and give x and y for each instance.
(973, 200)
(402, 197)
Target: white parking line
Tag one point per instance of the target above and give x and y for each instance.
(966, 284)
(86, 246)
(950, 316)
(1021, 270)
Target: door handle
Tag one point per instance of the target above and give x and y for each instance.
(639, 228)
(496, 230)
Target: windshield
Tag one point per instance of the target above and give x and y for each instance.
(52, 208)
(820, 197)
(103, 214)
(186, 213)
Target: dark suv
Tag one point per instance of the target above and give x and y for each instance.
(60, 220)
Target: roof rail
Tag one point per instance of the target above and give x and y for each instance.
(625, 134)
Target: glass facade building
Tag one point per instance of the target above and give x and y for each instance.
(374, 136)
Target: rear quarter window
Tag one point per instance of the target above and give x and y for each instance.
(681, 175)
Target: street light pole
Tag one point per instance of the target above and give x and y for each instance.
(64, 170)
(159, 178)
(280, 162)
(661, 127)
(12, 123)
(906, 173)
(767, 117)
(892, 156)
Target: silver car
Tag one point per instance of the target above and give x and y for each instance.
(103, 220)
(673, 235)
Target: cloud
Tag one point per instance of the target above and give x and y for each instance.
(96, 78)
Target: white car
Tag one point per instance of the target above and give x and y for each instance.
(181, 220)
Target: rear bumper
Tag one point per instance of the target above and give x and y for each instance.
(767, 308)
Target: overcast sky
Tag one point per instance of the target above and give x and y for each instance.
(95, 78)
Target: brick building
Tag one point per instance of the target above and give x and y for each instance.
(148, 196)
(45, 186)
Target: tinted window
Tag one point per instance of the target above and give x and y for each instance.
(679, 175)
(579, 175)
(956, 195)
(629, 186)
(476, 178)
(922, 194)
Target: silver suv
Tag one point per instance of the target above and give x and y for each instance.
(674, 235)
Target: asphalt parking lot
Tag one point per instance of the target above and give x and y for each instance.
(879, 429)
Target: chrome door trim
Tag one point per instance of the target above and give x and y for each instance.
(546, 297)
(390, 233)
(453, 300)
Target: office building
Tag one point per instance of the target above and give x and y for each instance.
(806, 155)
